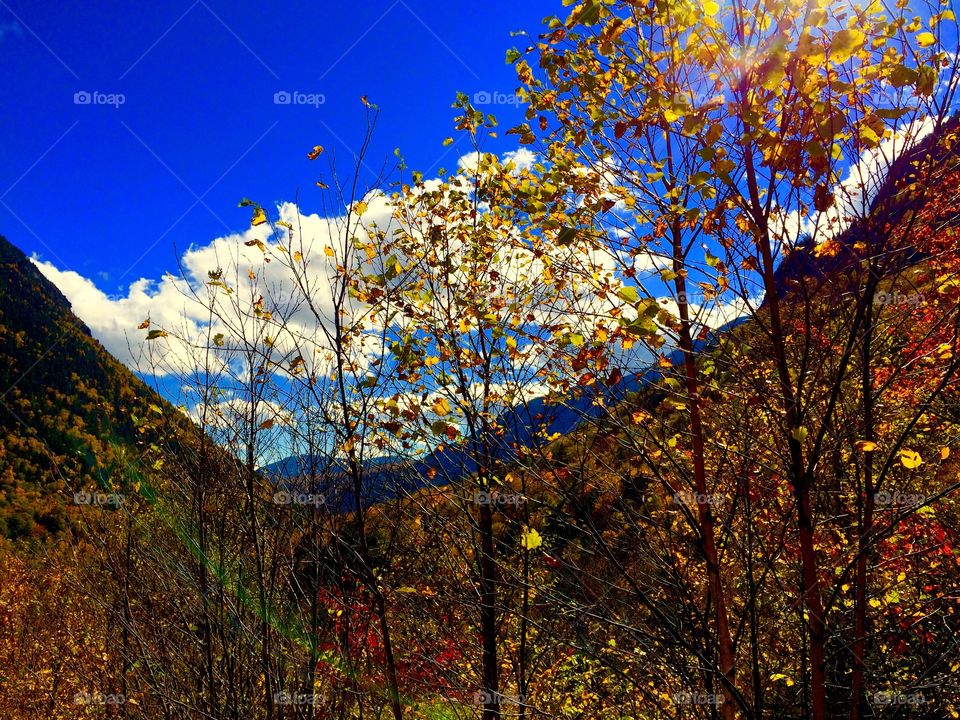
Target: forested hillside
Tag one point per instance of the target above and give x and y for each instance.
(69, 408)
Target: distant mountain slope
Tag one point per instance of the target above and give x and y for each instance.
(391, 477)
(66, 405)
(894, 202)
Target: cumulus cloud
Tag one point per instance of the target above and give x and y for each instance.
(855, 192)
(204, 322)
(113, 319)
(194, 307)
(254, 264)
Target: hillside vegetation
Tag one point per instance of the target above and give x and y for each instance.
(486, 510)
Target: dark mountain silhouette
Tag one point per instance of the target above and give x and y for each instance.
(892, 203)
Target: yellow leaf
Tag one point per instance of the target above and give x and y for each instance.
(845, 43)
(315, 153)
(360, 208)
(944, 453)
(441, 407)
(710, 7)
(531, 539)
(259, 217)
(866, 446)
(328, 251)
(910, 459)
(926, 39)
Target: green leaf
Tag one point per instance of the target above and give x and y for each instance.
(902, 76)
(628, 295)
(566, 236)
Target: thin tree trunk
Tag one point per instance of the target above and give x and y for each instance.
(704, 511)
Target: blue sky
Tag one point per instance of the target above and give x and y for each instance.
(109, 190)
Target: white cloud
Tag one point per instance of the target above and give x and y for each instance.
(855, 193)
(522, 157)
(191, 311)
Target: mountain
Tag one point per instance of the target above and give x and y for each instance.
(893, 204)
(67, 407)
(391, 477)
